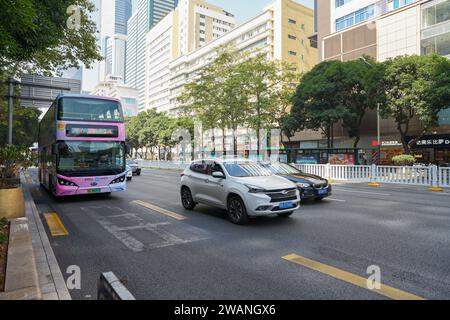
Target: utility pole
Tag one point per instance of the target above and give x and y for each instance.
(10, 109)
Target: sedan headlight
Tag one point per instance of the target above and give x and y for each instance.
(303, 185)
(254, 189)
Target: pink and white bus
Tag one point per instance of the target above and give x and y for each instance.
(82, 146)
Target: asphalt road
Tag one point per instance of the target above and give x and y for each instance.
(402, 230)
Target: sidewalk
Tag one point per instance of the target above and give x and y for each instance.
(51, 280)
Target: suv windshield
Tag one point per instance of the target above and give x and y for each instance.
(90, 158)
(246, 169)
(281, 168)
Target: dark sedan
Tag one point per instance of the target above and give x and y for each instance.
(134, 165)
(309, 185)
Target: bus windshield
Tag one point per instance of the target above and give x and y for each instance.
(90, 158)
(89, 109)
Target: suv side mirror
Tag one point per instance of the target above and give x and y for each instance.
(218, 175)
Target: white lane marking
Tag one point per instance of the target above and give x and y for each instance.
(366, 192)
(338, 200)
(165, 238)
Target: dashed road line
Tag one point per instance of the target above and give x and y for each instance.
(365, 192)
(160, 210)
(55, 225)
(351, 278)
(338, 200)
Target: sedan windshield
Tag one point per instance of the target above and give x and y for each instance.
(282, 168)
(89, 158)
(246, 169)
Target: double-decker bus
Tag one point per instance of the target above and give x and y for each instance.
(82, 146)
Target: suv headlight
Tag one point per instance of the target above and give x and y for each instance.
(65, 182)
(254, 189)
(303, 185)
(118, 180)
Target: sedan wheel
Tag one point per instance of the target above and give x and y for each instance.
(237, 211)
(186, 199)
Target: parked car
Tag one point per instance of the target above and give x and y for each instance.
(242, 187)
(134, 165)
(129, 172)
(309, 185)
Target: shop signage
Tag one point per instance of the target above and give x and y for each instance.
(433, 141)
(390, 143)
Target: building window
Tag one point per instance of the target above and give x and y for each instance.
(400, 3)
(292, 53)
(303, 26)
(292, 21)
(341, 2)
(202, 24)
(355, 17)
(292, 37)
(439, 44)
(436, 14)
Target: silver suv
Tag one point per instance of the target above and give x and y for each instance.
(242, 187)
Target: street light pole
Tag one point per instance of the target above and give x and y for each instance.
(10, 109)
(363, 59)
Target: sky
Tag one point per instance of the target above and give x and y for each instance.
(247, 9)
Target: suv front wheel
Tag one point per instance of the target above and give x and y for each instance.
(186, 199)
(236, 210)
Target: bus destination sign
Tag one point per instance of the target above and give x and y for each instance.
(75, 130)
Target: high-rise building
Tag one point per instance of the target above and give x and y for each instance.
(382, 29)
(281, 31)
(147, 14)
(114, 17)
(193, 24)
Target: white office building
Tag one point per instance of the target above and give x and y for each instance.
(190, 26)
(281, 31)
(147, 14)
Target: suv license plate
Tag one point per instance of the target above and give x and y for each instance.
(323, 191)
(286, 205)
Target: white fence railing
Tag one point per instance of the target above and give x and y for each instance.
(157, 164)
(423, 176)
(444, 177)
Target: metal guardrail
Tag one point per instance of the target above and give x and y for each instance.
(111, 288)
(161, 164)
(413, 175)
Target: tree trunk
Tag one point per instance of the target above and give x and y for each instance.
(355, 143)
(224, 151)
(235, 141)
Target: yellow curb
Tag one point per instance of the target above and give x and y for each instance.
(373, 184)
(435, 189)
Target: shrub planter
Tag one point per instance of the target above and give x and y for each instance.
(12, 203)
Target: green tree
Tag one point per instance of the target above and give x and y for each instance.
(319, 98)
(45, 36)
(362, 91)
(416, 87)
(224, 97)
(259, 76)
(25, 122)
